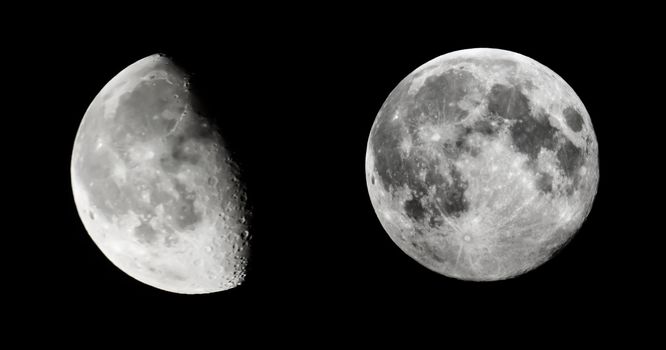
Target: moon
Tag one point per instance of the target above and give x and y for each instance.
(155, 185)
(482, 164)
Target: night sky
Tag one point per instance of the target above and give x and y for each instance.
(299, 96)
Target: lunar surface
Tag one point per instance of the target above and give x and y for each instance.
(481, 164)
(155, 185)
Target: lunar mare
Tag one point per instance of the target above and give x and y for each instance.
(481, 164)
(155, 185)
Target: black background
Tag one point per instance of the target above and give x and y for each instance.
(298, 94)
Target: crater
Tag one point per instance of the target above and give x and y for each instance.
(573, 119)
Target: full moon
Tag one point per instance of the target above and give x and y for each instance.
(155, 185)
(481, 164)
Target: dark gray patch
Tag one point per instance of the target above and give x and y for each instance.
(433, 177)
(485, 127)
(110, 199)
(182, 209)
(531, 134)
(96, 176)
(451, 196)
(460, 142)
(434, 254)
(430, 251)
(170, 240)
(391, 167)
(439, 254)
(145, 233)
(95, 167)
(460, 145)
(544, 183)
(508, 102)
(168, 163)
(386, 138)
(187, 216)
(157, 196)
(436, 220)
(453, 150)
(407, 172)
(414, 209)
(172, 161)
(439, 96)
(181, 155)
(450, 199)
(200, 129)
(573, 119)
(571, 158)
(429, 104)
(138, 107)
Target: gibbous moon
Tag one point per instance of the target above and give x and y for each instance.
(155, 185)
(481, 164)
